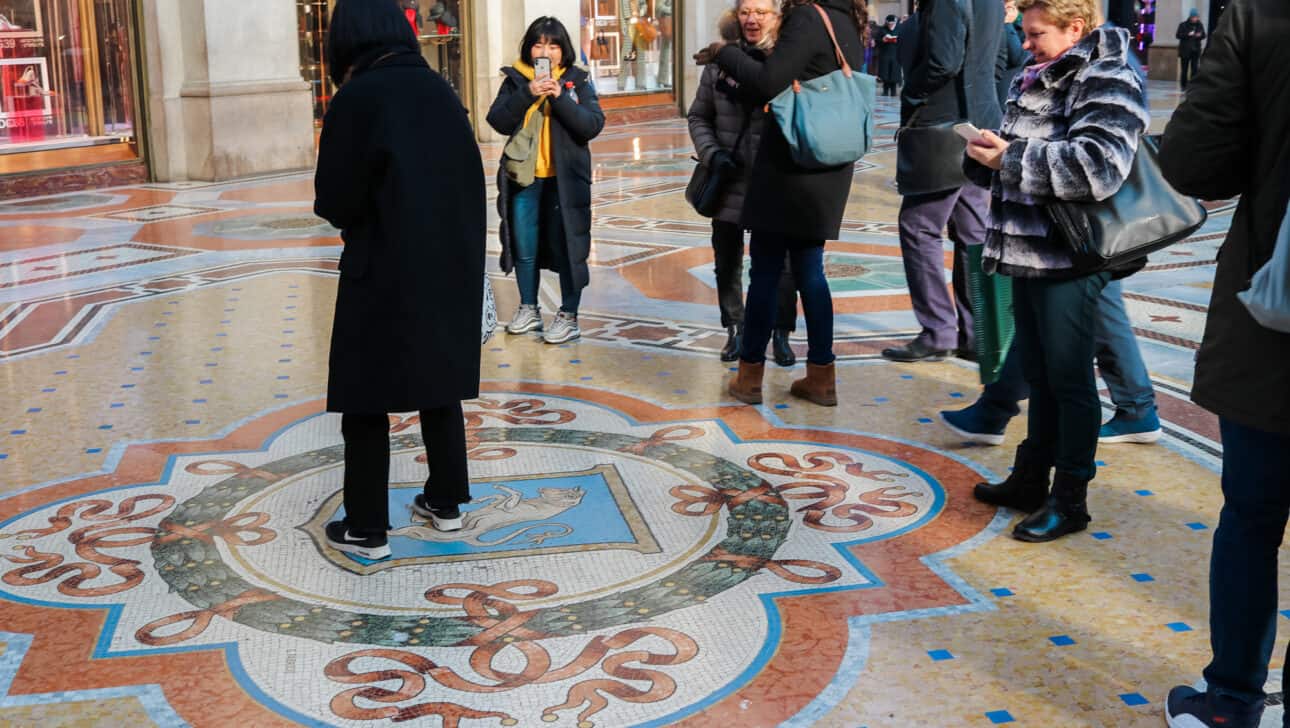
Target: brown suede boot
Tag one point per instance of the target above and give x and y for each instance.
(819, 385)
(746, 386)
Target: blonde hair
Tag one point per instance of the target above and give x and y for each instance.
(1064, 12)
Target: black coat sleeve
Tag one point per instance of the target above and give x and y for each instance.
(583, 119)
(1206, 149)
(945, 31)
(506, 115)
(794, 50)
(347, 161)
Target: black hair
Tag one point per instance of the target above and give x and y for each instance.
(549, 29)
(361, 26)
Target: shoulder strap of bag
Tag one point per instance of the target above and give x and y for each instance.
(828, 25)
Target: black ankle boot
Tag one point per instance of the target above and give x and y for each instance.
(730, 351)
(783, 350)
(1065, 511)
(1025, 489)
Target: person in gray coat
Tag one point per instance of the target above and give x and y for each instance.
(726, 127)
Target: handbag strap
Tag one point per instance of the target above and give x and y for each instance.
(828, 25)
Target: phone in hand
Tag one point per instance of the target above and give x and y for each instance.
(969, 133)
(542, 68)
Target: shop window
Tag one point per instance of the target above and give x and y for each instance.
(66, 75)
(627, 44)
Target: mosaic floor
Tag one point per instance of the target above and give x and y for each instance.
(641, 551)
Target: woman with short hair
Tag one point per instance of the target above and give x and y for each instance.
(546, 222)
(413, 221)
(1070, 132)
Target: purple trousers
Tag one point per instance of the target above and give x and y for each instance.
(946, 320)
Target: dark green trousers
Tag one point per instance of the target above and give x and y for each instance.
(1056, 324)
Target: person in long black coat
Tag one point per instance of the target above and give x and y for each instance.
(889, 57)
(413, 221)
(557, 234)
(788, 208)
(1230, 138)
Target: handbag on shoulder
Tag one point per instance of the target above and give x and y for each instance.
(519, 156)
(1143, 216)
(1268, 297)
(828, 120)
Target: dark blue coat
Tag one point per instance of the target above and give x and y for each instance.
(956, 48)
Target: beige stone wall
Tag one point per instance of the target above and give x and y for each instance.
(224, 94)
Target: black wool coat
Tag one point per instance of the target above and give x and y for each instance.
(888, 55)
(783, 198)
(1231, 136)
(576, 119)
(413, 220)
(954, 48)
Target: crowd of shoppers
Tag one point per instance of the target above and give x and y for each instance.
(1061, 104)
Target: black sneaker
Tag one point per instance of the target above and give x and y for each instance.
(1190, 708)
(444, 518)
(374, 547)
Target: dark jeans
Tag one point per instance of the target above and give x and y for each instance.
(807, 256)
(1118, 358)
(367, 465)
(1243, 564)
(536, 220)
(728, 256)
(946, 321)
(1189, 66)
(1056, 322)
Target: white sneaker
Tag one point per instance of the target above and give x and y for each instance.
(563, 328)
(527, 318)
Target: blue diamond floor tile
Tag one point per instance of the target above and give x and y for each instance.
(1061, 640)
(999, 717)
(1142, 577)
(1179, 626)
(940, 655)
(1133, 699)
(1002, 592)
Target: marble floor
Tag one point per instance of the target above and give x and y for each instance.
(644, 551)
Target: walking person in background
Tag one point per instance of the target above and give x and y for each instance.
(412, 218)
(888, 57)
(1071, 132)
(1191, 39)
(791, 210)
(1230, 137)
(726, 127)
(547, 223)
(952, 79)
(1012, 56)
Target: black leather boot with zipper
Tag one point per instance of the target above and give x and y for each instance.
(1025, 489)
(1065, 511)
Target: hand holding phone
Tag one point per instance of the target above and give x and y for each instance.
(970, 133)
(542, 68)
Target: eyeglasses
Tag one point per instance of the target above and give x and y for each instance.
(760, 14)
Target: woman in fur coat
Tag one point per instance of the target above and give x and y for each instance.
(1070, 132)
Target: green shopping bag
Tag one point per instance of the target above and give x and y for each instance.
(992, 314)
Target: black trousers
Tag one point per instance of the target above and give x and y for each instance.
(1189, 66)
(367, 465)
(889, 88)
(728, 253)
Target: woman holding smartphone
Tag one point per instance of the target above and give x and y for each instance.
(546, 222)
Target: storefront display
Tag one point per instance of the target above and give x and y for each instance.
(66, 83)
(439, 29)
(627, 44)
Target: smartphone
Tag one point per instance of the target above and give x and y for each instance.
(542, 67)
(969, 132)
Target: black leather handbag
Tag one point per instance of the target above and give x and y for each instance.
(929, 159)
(708, 183)
(1145, 215)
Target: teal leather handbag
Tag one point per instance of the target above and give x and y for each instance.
(828, 120)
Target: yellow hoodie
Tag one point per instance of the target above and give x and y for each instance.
(545, 162)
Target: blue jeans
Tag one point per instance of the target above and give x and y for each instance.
(536, 220)
(1118, 358)
(768, 251)
(1243, 564)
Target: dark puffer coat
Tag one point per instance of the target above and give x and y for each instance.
(412, 217)
(1231, 136)
(716, 118)
(804, 204)
(576, 119)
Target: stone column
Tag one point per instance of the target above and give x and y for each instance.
(225, 97)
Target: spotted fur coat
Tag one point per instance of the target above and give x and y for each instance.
(1073, 135)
